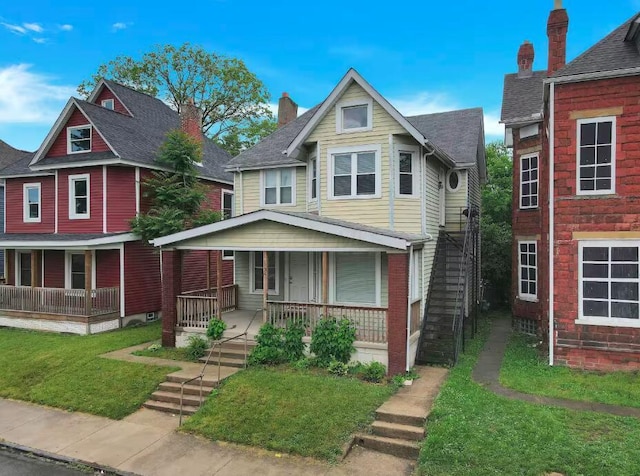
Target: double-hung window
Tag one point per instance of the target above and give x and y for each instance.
(356, 278)
(407, 174)
(278, 187)
(75, 272)
(529, 181)
(32, 202)
(313, 179)
(79, 198)
(596, 156)
(257, 269)
(354, 172)
(528, 271)
(78, 139)
(609, 283)
(227, 212)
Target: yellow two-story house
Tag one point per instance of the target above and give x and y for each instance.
(348, 211)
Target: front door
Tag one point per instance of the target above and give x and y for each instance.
(298, 277)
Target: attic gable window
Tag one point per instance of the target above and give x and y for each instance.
(79, 139)
(108, 104)
(354, 115)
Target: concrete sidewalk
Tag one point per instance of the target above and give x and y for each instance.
(146, 443)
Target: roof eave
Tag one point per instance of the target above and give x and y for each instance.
(522, 121)
(277, 165)
(575, 78)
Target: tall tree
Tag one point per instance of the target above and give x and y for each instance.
(178, 199)
(230, 96)
(496, 221)
(239, 138)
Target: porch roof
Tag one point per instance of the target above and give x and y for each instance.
(63, 240)
(280, 230)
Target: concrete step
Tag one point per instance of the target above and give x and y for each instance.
(397, 430)
(167, 407)
(206, 381)
(400, 418)
(237, 363)
(391, 446)
(171, 397)
(188, 389)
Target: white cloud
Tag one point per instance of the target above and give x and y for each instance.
(17, 29)
(119, 26)
(66, 27)
(29, 97)
(33, 27)
(40, 40)
(492, 126)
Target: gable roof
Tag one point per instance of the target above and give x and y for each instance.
(610, 54)
(522, 98)
(10, 157)
(440, 132)
(133, 139)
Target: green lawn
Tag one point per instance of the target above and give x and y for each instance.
(471, 431)
(525, 371)
(290, 411)
(169, 353)
(65, 371)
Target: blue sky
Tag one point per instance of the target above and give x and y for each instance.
(424, 56)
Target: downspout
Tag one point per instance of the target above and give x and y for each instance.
(551, 218)
(409, 288)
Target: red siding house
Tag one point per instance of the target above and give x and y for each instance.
(576, 148)
(72, 263)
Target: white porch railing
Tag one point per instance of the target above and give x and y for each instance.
(370, 322)
(196, 308)
(70, 302)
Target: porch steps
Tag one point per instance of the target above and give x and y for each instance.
(166, 407)
(231, 354)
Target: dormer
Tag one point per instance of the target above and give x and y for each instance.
(105, 96)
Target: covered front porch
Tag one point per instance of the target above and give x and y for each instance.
(287, 271)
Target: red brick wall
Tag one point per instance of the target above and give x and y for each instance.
(59, 146)
(397, 313)
(143, 291)
(54, 268)
(94, 223)
(14, 221)
(121, 198)
(600, 347)
(107, 94)
(107, 268)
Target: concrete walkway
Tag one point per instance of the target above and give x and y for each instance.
(487, 373)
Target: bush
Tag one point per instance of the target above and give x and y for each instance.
(302, 364)
(216, 328)
(337, 368)
(293, 347)
(333, 340)
(374, 372)
(197, 347)
(270, 346)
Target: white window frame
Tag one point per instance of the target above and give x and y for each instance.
(310, 177)
(25, 202)
(368, 102)
(72, 197)
(104, 103)
(252, 274)
(448, 175)
(528, 296)
(536, 181)
(278, 185)
(227, 254)
(376, 149)
(84, 126)
(579, 123)
(67, 268)
(604, 321)
(333, 277)
(415, 171)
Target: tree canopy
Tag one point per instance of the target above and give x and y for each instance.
(232, 98)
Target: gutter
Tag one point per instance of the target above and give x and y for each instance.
(551, 220)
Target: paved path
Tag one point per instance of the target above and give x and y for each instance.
(487, 373)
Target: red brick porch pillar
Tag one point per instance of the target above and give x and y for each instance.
(171, 287)
(397, 314)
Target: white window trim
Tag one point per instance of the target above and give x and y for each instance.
(537, 181)
(376, 148)
(72, 209)
(526, 296)
(351, 103)
(310, 178)
(224, 192)
(104, 103)
(446, 180)
(415, 171)
(594, 320)
(84, 126)
(25, 202)
(67, 268)
(252, 272)
(263, 197)
(614, 142)
(332, 281)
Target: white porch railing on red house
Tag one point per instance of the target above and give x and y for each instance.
(196, 308)
(370, 322)
(69, 302)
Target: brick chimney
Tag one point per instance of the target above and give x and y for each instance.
(191, 119)
(525, 60)
(557, 27)
(287, 110)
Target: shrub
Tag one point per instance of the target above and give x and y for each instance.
(154, 347)
(293, 347)
(302, 364)
(333, 340)
(270, 346)
(374, 372)
(216, 328)
(197, 347)
(338, 368)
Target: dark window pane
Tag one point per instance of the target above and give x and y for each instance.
(587, 172)
(526, 201)
(532, 274)
(532, 248)
(604, 154)
(626, 310)
(595, 308)
(532, 288)
(624, 253)
(524, 288)
(270, 196)
(604, 133)
(595, 254)
(595, 290)
(257, 257)
(342, 185)
(595, 270)
(534, 162)
(526, 176)
(81, 206)
(624, 270)
(34, 210)
(523, 247)
(257, 279)
(534, 175)
(406, 184)
(366, 184)
(625, 291)
(525, 164)
(285, 195)
(603, 171)
(77, 280)
(524, 259)
(588, 134)
(80, 188)
(534, 201)
(525, 189)
(80, 145)
(587, 185)
(532, 259)
(77, 263)
(454, 180)
(587, 156)
(405, 162)
(534, 188)
(603, 184)
(25, 277)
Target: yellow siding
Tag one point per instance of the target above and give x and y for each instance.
(250, 192)
(432, 198)
(407, 215)
(456, 202)
(267, 234)
(373, 211)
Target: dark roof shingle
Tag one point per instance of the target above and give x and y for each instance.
(522, 98)
(14, 159)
